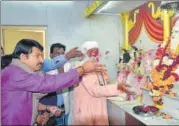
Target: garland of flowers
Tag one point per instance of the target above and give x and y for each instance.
(163, 75)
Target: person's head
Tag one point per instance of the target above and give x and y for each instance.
(52, 121)
(30, 52)
(2, 51)
(126, 57)
(5, 61)
(91, 49)
(57, 49)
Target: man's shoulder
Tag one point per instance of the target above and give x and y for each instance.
(12, 70)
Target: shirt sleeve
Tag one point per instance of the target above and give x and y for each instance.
(52, 64)
(44, 83)
(90, 83)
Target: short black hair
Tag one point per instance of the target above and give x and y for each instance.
(25, 46)
(5, 61)
(57, 45)
(52, 121)
(126, 57)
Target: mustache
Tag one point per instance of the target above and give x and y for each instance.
(40, 64)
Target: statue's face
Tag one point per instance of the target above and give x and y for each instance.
(175, 36)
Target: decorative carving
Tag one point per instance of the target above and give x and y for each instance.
(88, 11)
(155, 14)
(135, 15)
(165, 16)
(132, 23)
(125, 16)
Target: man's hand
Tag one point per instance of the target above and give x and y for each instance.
(90, 66)
(124, 88)
(42, 119)
(73, 53)
(54, 110)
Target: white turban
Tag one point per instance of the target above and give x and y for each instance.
(89, 45)
(84, 48)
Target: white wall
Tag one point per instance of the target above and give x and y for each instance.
(66, 24)
(145, 42)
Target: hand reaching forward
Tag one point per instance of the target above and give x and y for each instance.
(125, 88)
(73, 53)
